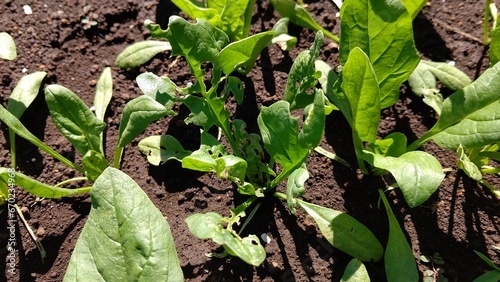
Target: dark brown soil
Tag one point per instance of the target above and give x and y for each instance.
(461, 217)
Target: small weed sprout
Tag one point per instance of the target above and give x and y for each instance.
(435, 273)
(89, 19)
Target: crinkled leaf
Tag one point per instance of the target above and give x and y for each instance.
(299, 16)
(469, 116)
(74, 119)
(417, 173)
(302, 76)
(399, 262)
(126, 238)
(235, 16)
(136, 116)
(37, 188)
(387, 39)
(295, 186)
(450, 76)
(15, 125)
(242, 54)
(344, 232)
(161, 148)
(94, 164)
(279, 132)
(314, 122)
(467, 166)
(103, 93)
(198, 43)
(7, 47)
(24, 93)
(140, 53)
(161, 89)
(234, 85)
(355, 271)
(210, 226)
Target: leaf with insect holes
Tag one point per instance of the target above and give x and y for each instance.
(140, 53)
(355, 271)
(400, 265)
(211, 226)
(7, 47)
(37, 188)
(74, 119)
(125, 237)
(384, 31)
(344, 232)
(302, 76)
(161, 148)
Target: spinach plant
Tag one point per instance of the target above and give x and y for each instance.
(244, 162)
(492, 275)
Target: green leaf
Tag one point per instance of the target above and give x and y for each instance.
(468, 116)
(94, 164)
(103, 93)
(15, 125)
(414, 6)
(295, 186)
(161, 89)
(235, 16)
(24, 93)
(487, 260)
(489, 276)
(210, 226)
(199, 161)
(494, 51)
(161, 148)
(302, 76)
(279, 132)
(327, 80)
(314, 122)
(74, 119)
(209, 41)
(393, 145)
(355, 271)
(241, 55)
(37, 188)
(126, 238)
(281, 36)
(140, 53)
(299, 16)
(450, 76)
(196, 10)
(467, 166)
(7, 47)
(417, 173)
(387, 39)
(399, 262)
(344, 232)
(136, 116)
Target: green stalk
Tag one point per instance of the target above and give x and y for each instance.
(486, 23)
(12, 141)
(490, 187)
(490, 170)
(71, 180)
(118, 157)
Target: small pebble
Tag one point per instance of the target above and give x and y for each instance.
(40, 231)
(27, 10)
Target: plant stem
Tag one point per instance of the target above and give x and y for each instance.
(39, 245)
(12, 141)
(118, 157)
(491, 187)
(71, 180)
(280, 195)
(486, 23)
(490, 170)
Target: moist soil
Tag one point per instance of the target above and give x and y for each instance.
(460, 217)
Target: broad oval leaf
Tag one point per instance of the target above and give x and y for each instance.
(140, 53)
(37, 188)
(74, 119)
(355, 271)
(126, 238)
(470, 116)
(210, 226)
(417, 173)
(161, 148)
(136, 116)
(344, 232)
(7, 47)
(383, 30)
(399, 262)
(241, 55)
(24, 93)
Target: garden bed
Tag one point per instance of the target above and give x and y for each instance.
(461, 217)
